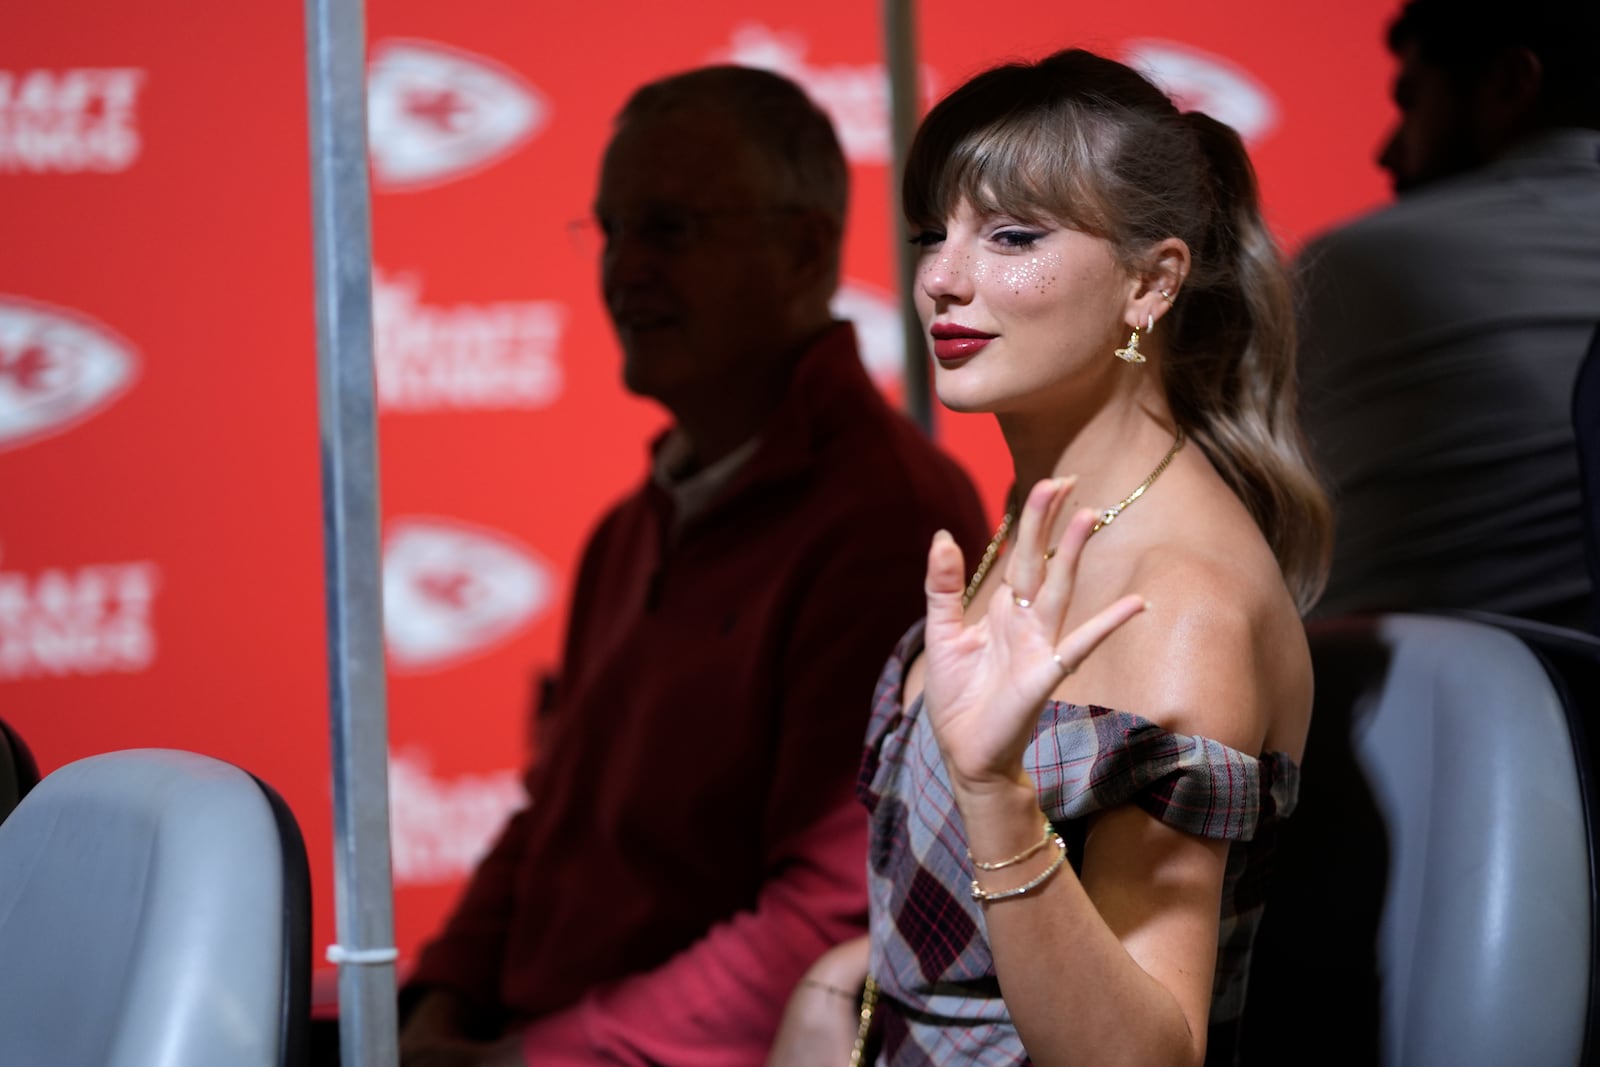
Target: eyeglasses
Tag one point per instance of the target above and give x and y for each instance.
(668, 231)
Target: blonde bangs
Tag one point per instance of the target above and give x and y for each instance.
(1028, 165)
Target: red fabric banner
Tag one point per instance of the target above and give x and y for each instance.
(160, 556)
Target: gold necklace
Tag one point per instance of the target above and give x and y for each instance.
(989, 553)
(1107, 517)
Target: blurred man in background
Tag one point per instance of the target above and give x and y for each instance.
(691, 843)
(1442, 335)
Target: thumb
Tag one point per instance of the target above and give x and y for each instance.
(945, 584)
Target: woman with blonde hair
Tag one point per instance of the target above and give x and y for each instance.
(1066, 847)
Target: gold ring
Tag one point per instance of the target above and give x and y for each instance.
(1021, 601)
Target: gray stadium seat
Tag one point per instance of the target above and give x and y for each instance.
(1433, 898)
(154, 912)
(1571, 656)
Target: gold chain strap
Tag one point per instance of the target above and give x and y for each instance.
(989, 553)
(869, 1001)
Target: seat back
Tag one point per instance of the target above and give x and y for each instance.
(1586, 427)
(154, 909)
(1433, 898)
(1573, 659)
(18, 772)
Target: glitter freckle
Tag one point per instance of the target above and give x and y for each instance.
(1030, 274)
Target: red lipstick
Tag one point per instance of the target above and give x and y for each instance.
(952, 343)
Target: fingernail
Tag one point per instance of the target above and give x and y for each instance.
(1144, 605)
(942, 536)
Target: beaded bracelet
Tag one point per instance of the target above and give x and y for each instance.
(984, 897)
(1000, 865)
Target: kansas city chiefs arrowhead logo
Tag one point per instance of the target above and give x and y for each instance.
(435, 114)
(57, 368)
(451, 591)
(1201, 81)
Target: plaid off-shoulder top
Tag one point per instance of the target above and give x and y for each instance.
(939, 1002)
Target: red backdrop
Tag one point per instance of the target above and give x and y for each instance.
(160, 556)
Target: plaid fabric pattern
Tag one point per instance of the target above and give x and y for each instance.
(939, 1001)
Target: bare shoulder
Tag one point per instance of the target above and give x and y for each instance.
(1220, 651)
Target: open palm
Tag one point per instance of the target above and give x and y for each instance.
(986, 683)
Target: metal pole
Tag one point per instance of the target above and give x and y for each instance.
(336, 60)
(905, 97)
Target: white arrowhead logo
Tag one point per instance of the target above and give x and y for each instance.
(57, 368)
(435, 114)
(452, 591)
(1201, 81)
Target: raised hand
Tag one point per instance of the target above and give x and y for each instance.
(987, 682)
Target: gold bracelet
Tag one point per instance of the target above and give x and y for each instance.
(1000, 865)
(983, 897)
(826, 988)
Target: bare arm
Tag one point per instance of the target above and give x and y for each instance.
(1131, 946)
(819, 1025)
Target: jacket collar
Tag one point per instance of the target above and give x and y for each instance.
(826, 392)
